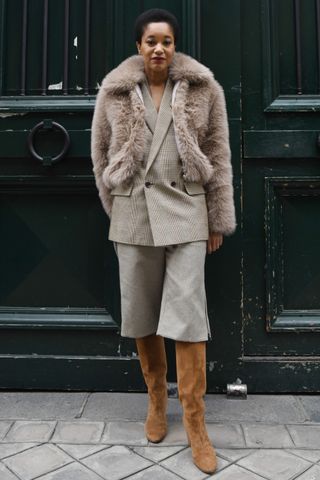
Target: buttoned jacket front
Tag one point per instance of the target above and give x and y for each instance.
(118, 141)
(160, 207)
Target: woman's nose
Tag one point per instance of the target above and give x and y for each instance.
(159, 48)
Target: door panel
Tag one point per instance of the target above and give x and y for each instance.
(60, 301)
(281, 204)
(59, 288)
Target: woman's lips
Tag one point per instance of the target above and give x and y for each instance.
(158, 59)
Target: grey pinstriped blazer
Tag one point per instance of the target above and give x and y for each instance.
(159, 207)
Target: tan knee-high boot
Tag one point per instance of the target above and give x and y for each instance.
(191, 376)
(153, 361)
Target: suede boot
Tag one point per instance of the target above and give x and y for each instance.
(192, 384)
(153, 361)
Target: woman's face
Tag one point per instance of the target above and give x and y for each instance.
(157, 46)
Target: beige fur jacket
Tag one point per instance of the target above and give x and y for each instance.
(201, 130)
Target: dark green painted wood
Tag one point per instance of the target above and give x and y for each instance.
(281, 144)
(221, 51)
(264, 317)
(66, 282)
(292, 285)
(279, 56)
(280, 202)
(57, 267)
(14, 144)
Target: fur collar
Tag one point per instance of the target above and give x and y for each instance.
(131, 71)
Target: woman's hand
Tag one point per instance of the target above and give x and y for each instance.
(214, 242)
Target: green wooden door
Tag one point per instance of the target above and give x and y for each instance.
(281, 194)
(273, 345)
(60, 303)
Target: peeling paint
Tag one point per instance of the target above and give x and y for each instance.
(55, 86)
(79, 88)
(211, 366)
(12, 114)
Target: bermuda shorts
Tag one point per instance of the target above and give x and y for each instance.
(163, 291)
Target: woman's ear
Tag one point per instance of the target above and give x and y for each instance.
(138, 45)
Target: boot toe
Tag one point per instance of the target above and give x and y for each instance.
(155, 431)
(155, 435)
(206, 460)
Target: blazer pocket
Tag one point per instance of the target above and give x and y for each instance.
(122, 190)
(194, 188)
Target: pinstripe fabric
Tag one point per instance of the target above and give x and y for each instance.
(166, 213)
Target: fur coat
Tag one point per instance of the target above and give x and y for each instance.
(201, 132)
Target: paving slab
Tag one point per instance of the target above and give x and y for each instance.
(37, 461)
(182, 464)
(311, 405)
(41, 405)
(30, 431)
(78, 432)
(233, 454)
(129, 406)
(226, 435)
(8, 449)
(124, 433)
(235, 473)
(256, 408)
(305, 436)
(176, 435)
(4, 428)
(81, 451)
(73, 471)
(266, 436)
(155, 473)
(311, 455)
(312, 474)
(274, 464)
(5, 474)
(116, 463)
(157, 453)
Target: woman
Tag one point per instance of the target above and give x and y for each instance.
(161, 160)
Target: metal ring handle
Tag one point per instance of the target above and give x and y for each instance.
(48, 125)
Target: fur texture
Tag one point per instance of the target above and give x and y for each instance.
(201, 129)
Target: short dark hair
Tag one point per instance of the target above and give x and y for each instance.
(155, 15)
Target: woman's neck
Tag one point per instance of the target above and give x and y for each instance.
(156, 79)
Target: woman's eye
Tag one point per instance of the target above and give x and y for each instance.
(166, 42)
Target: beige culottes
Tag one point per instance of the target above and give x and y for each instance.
(163, 291)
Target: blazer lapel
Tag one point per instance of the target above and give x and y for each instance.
(150, 110)
(163, 121)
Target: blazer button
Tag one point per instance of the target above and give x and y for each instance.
(148, 184)
(173, 184)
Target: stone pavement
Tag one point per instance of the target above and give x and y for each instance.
(94, 436)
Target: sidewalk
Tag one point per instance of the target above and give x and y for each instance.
(94, 436)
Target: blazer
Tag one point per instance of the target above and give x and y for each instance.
(118, 140)
(158, 207)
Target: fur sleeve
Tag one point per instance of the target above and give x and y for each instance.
(219, 196)
(100, 138)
